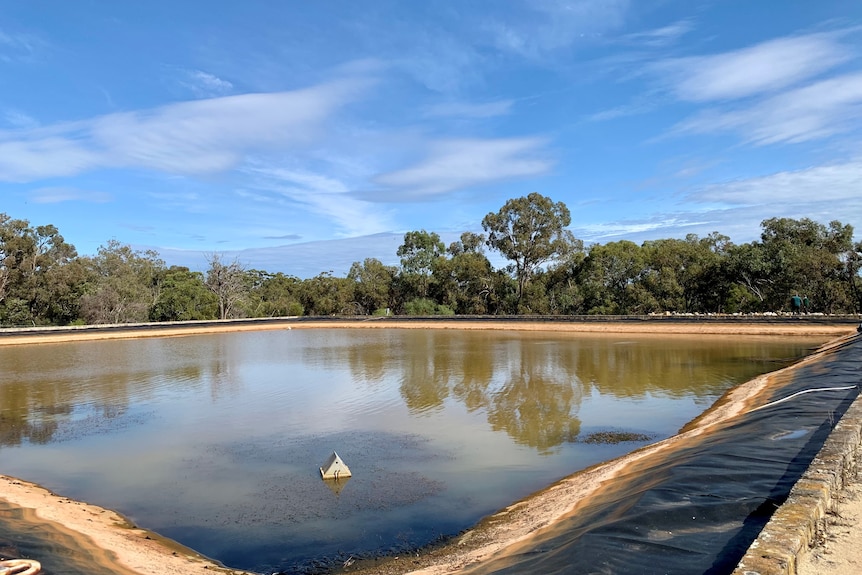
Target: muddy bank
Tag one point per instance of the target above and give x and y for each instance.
(714, 325)
(137, 551)
(80, 538)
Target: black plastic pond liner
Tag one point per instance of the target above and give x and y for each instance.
(697, 508)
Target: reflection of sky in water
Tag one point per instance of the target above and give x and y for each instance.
(216, 440)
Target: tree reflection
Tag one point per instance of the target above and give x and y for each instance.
(535, 403)
(538, 403)
(426, 373)
(46, 390)
(536, 411)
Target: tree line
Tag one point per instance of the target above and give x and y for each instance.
(43, 280)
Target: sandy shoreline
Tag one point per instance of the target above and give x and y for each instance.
(133, 550)
(659, 327)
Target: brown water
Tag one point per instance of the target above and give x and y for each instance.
(215, 440)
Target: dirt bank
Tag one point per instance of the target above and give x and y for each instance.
(137, 551)
(782, 326)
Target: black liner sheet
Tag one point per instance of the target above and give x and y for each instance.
(697, 508)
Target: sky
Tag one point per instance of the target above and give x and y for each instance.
(299, 137)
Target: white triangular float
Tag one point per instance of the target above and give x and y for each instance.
(334, 468)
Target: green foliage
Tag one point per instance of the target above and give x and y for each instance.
(273, 295)
(183, 296)
(373, 284)
(530, 231)
(418, 254)
(425, 306)
(123, 284)
(44, 282)
(40, 282)
(465, 282)
(325, 294)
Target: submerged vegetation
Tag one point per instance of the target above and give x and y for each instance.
(43, 280)
(614, 437)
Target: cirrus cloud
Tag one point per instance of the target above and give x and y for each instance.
(458, 164)
(196, 137)
(765, 67)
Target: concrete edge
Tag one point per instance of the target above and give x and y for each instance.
(795, 526)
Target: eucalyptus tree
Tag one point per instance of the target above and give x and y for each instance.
(373, 289)
(418, 254)
(465, 281)
(686, 275)
(123, 284)
(529, 231)
(183, 296)
(273, 295)
(853, 261)
(807, 258)
(325, 294)
(228, 282)
(612, 278)
(38, 282)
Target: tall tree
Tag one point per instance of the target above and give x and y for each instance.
(373, 284)
(465, 282)
(35, 284)
(228, 282)
(325, 294)
(529, 231)
(183, 296)
(274, 295)
(612, 279)
(123, 284)
(418, 253)
(806, 258)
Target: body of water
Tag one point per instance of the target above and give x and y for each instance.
(216, 440)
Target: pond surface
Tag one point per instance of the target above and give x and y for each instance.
(216, 440)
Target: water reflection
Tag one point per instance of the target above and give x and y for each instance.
(216, 440)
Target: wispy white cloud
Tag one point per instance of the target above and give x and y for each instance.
(441, 62)
(18, 46)
(198, 137)
(322, 195)
(628, 229)
(737, 207)
(633, 109)
(204, 84)
(19, 120)
(454, 165)
(829, 184)
(766, 67)
(304, 259)
(822, 109)
(56, 195)
(471, 110)
(661, 37)
(545, 26)
(42, 154)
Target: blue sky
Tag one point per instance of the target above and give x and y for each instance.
(303, 136)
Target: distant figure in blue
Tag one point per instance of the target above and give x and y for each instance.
(805, 303)
(796, 303)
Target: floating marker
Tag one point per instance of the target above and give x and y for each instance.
(334, 468)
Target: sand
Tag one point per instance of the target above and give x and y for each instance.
(837, 552)
(141, 552)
